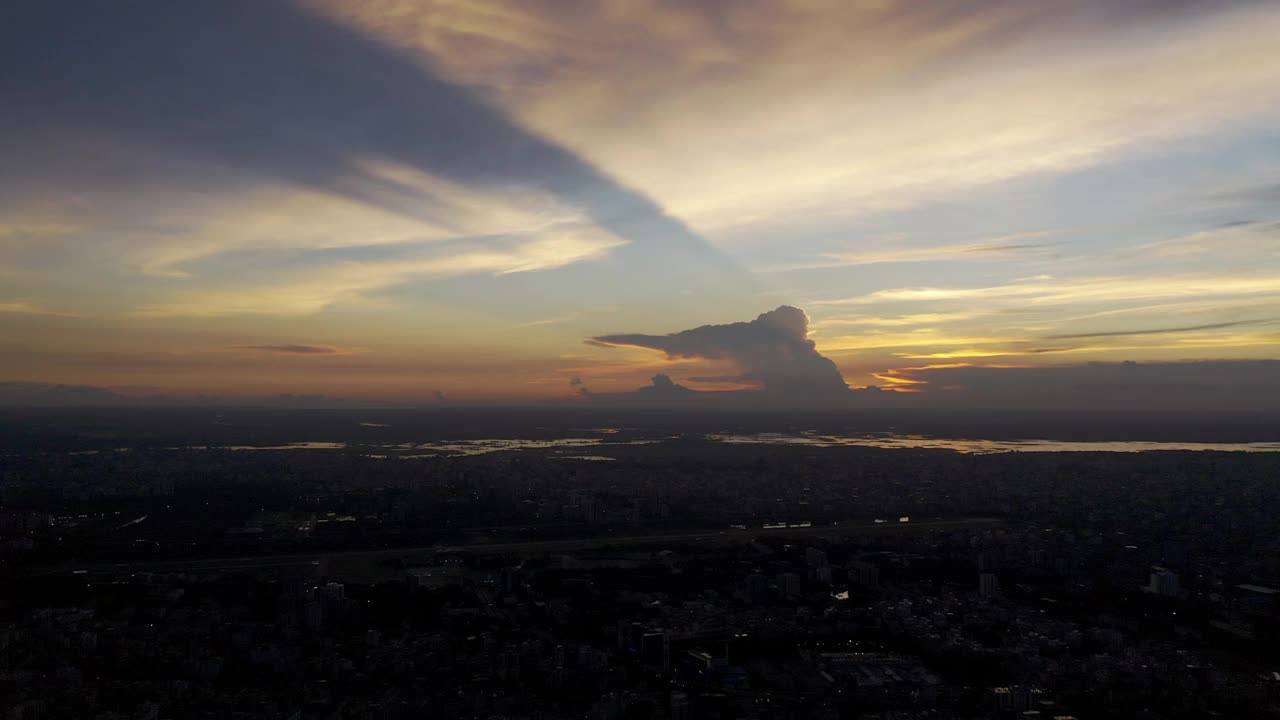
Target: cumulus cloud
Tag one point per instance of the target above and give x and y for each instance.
(664, 388)
(773, 349)
(292, 349)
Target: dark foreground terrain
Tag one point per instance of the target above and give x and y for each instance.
(145, 578)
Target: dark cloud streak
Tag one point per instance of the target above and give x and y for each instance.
(293, 349)
(1157, 331)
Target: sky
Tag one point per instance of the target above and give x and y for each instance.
(559, 200)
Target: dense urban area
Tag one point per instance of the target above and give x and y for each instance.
(680, 579)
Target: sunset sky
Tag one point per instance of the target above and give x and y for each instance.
(492, 200)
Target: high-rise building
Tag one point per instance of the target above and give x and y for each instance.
(312, 615)
(1164, 582)
(864, 574)
(679, 706)
(988, 584)
(823, 575)
(789, 583)
(509, 580)
(655, 649)
(757, 588)
(815, 557)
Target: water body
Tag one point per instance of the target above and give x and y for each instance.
(891, 441)
(308, 445)
(979, 446)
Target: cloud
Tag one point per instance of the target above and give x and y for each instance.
(28, 307)
(578, 386)
(718, 379)
(935, 343)
(35, 230)
(996, 248)
(933, 254)
(307, 292)
(897, 320)
(1237, 346)
(95, 95)
(1249, 241)
(773, 349)
(854, 105)
(293, 349)
(37, 394)
(1158, 331)
(1192, 385)
(664, 388)
(1082, 290)
(1263, 193)
(282, 219)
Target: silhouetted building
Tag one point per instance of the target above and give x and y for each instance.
(864, 575)
(823, 575)
(1164, 582)
(789, 584)
(988, 584)
(815, 557)
(757, 588)
(679, 709)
